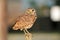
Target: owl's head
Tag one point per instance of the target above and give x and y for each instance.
(31, 11)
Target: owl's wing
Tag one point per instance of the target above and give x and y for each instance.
(25, 21)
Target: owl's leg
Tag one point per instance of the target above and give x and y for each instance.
(26, 31)
(28, 36)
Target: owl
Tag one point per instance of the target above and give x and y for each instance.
(26, 20)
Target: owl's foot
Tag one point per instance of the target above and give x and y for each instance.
(28, 36)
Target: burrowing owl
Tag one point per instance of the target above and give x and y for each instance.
(26, 21)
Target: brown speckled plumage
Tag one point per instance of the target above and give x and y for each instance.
(26, 21)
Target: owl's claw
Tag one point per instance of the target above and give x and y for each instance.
(28, 36)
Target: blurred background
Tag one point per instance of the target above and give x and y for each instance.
(43, 29)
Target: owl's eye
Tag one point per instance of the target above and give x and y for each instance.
(32, 10)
